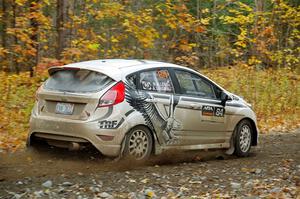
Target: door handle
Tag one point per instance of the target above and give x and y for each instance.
(151, 100)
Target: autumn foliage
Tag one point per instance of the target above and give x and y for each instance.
(264, 33)
(249, 47)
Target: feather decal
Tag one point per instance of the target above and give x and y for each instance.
(142, 102)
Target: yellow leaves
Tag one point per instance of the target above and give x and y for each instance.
(20, 2)
(242, 39)
(110, 10)
(185, 47)
(190, 61)
(47, 2)
(253, 61)
(244, 6)
(140, 26)
(180, 8)
(72, 54)
(205, 21)
(206, 10)
(126, 23)
(3, 52)
(241, 44)
(93, 46)
(171, 23)
(238, 19)
(114, 40)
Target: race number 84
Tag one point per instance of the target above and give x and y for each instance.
(219, 112)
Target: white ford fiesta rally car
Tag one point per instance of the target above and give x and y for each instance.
(138, 108)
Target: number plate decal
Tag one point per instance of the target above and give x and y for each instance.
(64, 108)
(213, 111)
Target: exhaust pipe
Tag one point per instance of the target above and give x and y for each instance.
(74, 146)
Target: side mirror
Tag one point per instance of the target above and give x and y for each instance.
(224, 98)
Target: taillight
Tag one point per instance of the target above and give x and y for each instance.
(114, 95)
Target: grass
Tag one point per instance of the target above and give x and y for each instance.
(274, 94)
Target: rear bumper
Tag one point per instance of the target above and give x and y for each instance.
(78, 131)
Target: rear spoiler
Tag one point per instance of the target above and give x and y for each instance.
(110, 73)
(54, 69)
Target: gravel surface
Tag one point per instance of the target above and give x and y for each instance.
(271, 171)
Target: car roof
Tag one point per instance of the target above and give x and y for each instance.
(118, 68)
(114, 68)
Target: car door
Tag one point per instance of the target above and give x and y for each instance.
(199, 109)
(158, 107)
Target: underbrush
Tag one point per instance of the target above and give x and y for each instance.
(274, 94)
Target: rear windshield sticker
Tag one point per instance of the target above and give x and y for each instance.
(213, 111)
(162, 74)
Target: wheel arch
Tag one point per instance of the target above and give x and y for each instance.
(153, 135)
(254, 138)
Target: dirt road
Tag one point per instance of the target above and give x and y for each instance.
(271, 171)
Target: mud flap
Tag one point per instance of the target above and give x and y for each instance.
(28, 141)
(231, 150)
(121, 154)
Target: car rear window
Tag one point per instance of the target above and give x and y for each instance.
(77, 81)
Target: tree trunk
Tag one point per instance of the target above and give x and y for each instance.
(62, 31)
(3, 27)
(35, 35)
(14, 67)
(2, 24)
(260, 5)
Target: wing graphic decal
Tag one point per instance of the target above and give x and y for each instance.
(163, 127)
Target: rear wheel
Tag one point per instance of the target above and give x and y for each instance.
(243, 138)
(139, 143)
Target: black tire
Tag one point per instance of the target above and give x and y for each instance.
(243, 138)
(138, 143)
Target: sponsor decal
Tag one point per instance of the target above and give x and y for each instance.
(213, 111)
(105, 124)
(113, 124)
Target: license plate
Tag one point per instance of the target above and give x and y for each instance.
(64, 108)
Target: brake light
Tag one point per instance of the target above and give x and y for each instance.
(114, 95)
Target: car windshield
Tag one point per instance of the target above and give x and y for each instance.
(77, 81)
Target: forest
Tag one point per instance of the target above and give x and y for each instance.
(250, 47)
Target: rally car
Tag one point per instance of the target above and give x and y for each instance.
(138, 108)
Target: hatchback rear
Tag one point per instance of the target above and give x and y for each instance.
(74, 108)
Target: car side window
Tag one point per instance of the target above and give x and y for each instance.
(192, 84)
(156, 80)
(131, 80)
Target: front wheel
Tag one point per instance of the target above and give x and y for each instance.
(139, 143)
(243, 138)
